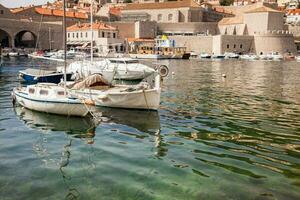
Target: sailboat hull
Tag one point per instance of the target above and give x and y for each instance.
(148, 99)
(67, 106)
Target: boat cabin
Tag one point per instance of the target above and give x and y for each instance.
(46, 90)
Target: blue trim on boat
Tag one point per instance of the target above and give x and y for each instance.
(50, 78)
(44, 101)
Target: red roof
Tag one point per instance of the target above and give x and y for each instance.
(60, 13)
(115, 11)
(293, 12)
(87, 26)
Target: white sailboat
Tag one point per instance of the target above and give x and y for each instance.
(112, 68)
(51, 98)
(141, 96)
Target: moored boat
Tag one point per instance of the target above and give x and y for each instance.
(49, 98)
(42, 76)
(205, 56)
(218, 57)
(275, 56)
(249, 57)
(230, 55)
(142, 96)
(112, 68)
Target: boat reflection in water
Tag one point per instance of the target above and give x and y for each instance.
(63, 154)
(49, 122)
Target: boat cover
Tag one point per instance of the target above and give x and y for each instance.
(90, 81)
(37, 72)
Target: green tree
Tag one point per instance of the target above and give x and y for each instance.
(226, 2)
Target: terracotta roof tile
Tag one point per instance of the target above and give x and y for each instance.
(164, 5)
(60, 13)
(87, 26)
(115, 11)
(293, 12)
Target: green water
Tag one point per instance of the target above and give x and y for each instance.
(213, 138)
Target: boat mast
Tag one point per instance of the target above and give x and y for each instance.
(92, 31)
(65, 45)
(50, 45)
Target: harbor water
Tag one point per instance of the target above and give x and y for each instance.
(225, 130)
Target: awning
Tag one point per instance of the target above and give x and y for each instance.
(77, 43)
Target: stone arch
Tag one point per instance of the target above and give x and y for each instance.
(26, 39)
(5, 39)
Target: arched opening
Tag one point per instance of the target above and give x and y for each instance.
(5, 39)
(25, 39)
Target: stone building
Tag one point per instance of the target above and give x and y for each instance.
(172, 12)
(259, 29)
(105, 37)
(16, 32)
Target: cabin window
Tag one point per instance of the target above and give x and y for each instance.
(61, 93)
(31, 90)
(227, 46)
(43, 92)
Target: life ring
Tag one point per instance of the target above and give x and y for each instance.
(163, 70)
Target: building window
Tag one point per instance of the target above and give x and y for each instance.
(68, 35)
(108, 34)
(227, 46)
(86, 34)
(81, 35)
(159, 17)
(170, 17)
(114, 35)
(77, 35)
(73, 35)
(241, 46)
(1, 12)
(234, 46)
(103, 34)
